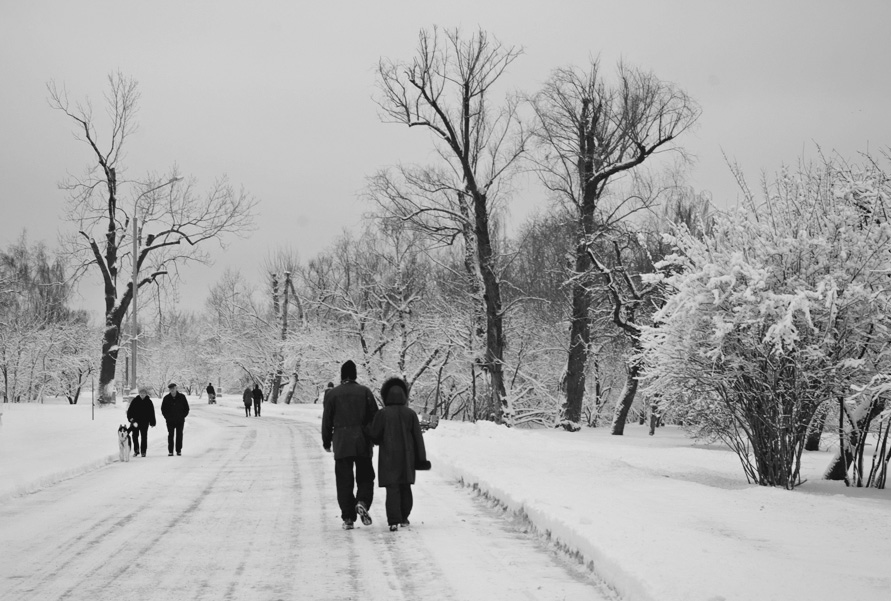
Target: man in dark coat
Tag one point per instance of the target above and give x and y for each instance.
(398, 432)
(258, 398)
(247, 398)
(141, 414)
(211, 393)
(348, 410)
(174, 408)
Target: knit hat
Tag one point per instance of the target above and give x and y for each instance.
(348, 371)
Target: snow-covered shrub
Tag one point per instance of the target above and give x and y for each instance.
(783, 307)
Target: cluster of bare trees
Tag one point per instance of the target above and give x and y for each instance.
(44, 345)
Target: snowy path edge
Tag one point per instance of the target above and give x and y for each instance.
(54, 478)
(596, 559)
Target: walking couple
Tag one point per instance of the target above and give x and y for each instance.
(351, 424)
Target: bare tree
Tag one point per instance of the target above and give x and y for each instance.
(446, 89)
(174, 218)
(590, 132)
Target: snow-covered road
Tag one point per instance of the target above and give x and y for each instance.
(253, 515)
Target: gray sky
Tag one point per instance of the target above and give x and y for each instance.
(277, 95)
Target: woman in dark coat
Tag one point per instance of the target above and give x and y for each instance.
(248, 398)
(397, 430)
(141, 414)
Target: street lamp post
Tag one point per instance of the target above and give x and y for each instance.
(134, 336)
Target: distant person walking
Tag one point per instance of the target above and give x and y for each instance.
(324, 393)
(248, 398)
(211, 393)
(174, 408)
(398, 432)
(141, 414)
(258, 398)
(348, 410)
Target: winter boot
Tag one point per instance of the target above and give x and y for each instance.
(363, 513)
(393, 527)
(405, 523)
(348, 524)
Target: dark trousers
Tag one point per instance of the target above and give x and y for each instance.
(399, 503)
(177, 428)
(364, 480)
(247, 410)
(256, 408)
(136, 432)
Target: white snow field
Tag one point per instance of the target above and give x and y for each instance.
(249, 512)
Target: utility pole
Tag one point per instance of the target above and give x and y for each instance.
(135, 289)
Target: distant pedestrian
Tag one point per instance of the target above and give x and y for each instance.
(211, 394)
(141, 414)
(398, 432)
(248, 398)
(175, 408)
(258, 398)
(324, 393)
(349, 410)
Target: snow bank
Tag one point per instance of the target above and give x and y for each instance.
(659, 518)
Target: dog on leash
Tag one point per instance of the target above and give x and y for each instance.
(124, 444)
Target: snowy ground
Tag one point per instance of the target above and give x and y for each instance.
(654, 518)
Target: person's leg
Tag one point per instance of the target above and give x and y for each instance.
(407, 500)
(343, 475)
(364, 481)
(394, 504)
(144, 444)
(171, 429)
(135, 436)
(179, 437)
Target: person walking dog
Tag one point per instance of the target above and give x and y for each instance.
(348, 410)
(141, 414)
(174, 408)
(398, 432)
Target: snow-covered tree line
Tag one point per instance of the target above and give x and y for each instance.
(45, 346)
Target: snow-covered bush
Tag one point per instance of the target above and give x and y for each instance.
(783, 307)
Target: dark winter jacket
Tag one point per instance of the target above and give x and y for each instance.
(142, 411)
(397, 430)
(247, 397)
(348, 411)
(175, 409)
(210, 390)
(258, 395)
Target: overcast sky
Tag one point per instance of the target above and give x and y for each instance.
(277, 95)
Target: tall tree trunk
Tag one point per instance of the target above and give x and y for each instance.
(815, 429)
(579, 343)
(108, 363)
(626, 399)
(495, 342)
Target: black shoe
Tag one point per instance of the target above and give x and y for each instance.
(178, 454)
(143, 454)
(348, 524)
(170, 454)
(363, 513)
(393, 527)
(405, 523)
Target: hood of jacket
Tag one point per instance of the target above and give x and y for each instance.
(395, 392)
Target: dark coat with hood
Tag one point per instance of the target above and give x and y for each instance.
(247, 397)
(397, 430)
(175, 408)
(348, 411)
(142, 411)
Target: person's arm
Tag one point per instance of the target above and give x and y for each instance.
(151, 407)
(186, 403)
(421, 462)
(327, 422)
